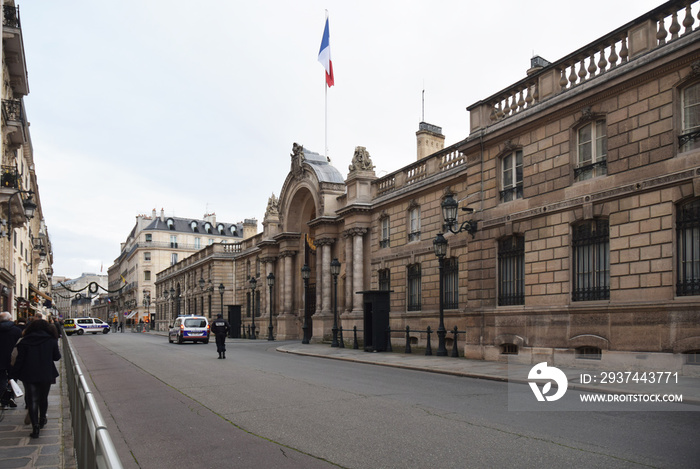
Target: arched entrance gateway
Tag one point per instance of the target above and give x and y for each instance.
(311, 224)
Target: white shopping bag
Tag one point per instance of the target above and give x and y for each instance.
(16, 389)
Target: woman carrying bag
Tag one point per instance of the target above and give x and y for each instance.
(34, 366)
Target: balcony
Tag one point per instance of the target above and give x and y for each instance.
(13, 46)
(13, 117)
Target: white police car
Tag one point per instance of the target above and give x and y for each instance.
(189, 328)
(83, 325)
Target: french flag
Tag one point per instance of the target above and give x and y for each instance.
(324, 54)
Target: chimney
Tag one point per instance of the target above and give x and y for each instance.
(153, 216)
(162, 215)
(537, 63)
(430, 139)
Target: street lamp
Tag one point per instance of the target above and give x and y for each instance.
(172, 304)
(221, 292)
(270, 283)
(440, 247)
(305, 274)
(449, 215)
(253, 283)
(335, 270)
(28, 205)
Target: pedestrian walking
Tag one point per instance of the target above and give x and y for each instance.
(34, 366)
(220, 328)
(9, 335)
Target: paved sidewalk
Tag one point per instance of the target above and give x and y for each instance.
(689, 387)
(53, 448)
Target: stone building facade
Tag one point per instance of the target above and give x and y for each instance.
(583, 183)
(155, 243)
(26, 256)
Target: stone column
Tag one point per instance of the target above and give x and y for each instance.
(288, 282)
(323, 277)
(349, 285)
(358, 269)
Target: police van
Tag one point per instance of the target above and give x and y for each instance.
(82, 325)
(189, 328)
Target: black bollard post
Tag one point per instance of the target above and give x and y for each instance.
(408, 341)
(455, 352)
(355, 345)
(388, 340)
(428, 348)
(341, 344)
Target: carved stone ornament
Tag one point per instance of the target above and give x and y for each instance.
(361, 160)
(273, 205)
(297, 155)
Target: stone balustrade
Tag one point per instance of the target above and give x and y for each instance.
(656, 28)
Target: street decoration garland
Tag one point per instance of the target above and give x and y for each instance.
(92, 287)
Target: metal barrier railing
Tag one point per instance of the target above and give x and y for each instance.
(93, 445)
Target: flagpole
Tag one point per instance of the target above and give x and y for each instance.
(325, 88)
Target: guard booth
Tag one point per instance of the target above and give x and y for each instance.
(234, 320)
(376, 319)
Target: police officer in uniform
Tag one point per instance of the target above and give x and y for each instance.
(220, 327)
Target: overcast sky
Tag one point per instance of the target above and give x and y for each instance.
(193, 107)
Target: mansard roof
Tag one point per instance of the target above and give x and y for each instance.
(325, 172)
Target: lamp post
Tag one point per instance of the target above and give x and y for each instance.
(335, 270)
(270, 283)
(440, 247)
(28, 205)
(305, 274)
(449, 215)
(222, 288)
(253, 283)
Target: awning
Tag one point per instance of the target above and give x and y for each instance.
(43, 295)
(131, 314)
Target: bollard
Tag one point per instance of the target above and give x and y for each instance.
(428, 348)
(388, 340)
(408, 341)
(355, 345)
(455, 352)
(341, 344)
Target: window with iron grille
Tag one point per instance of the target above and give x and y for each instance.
(413, 287)
(688, 247)
(384, 240)
(450, 285)
(509, 349)
(385, 279)
(511, 271)
(512, 176)
(692, 357)
(689, 138)
(592, 144)
(591, 259)
(588, 353)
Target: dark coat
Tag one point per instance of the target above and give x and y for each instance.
(9, 335)
(36, 354)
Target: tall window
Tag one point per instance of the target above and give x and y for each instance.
(413, 287)
(591, 253)
(511, 271)
(149, 237)
(592, 151)
(690, 135)
(450, 283)
(173, 241)
(173, 258)
(197, 243)
(688, 246)
(384, 239)
(512, 176)
(384, 279)
(147, 275)
(146, 256)
(414, 224)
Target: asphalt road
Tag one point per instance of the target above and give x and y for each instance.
(169, 404)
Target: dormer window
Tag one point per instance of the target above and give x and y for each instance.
(171, 223)
(221, 229)
(208, 227)
(233, 230)
(193, 225)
